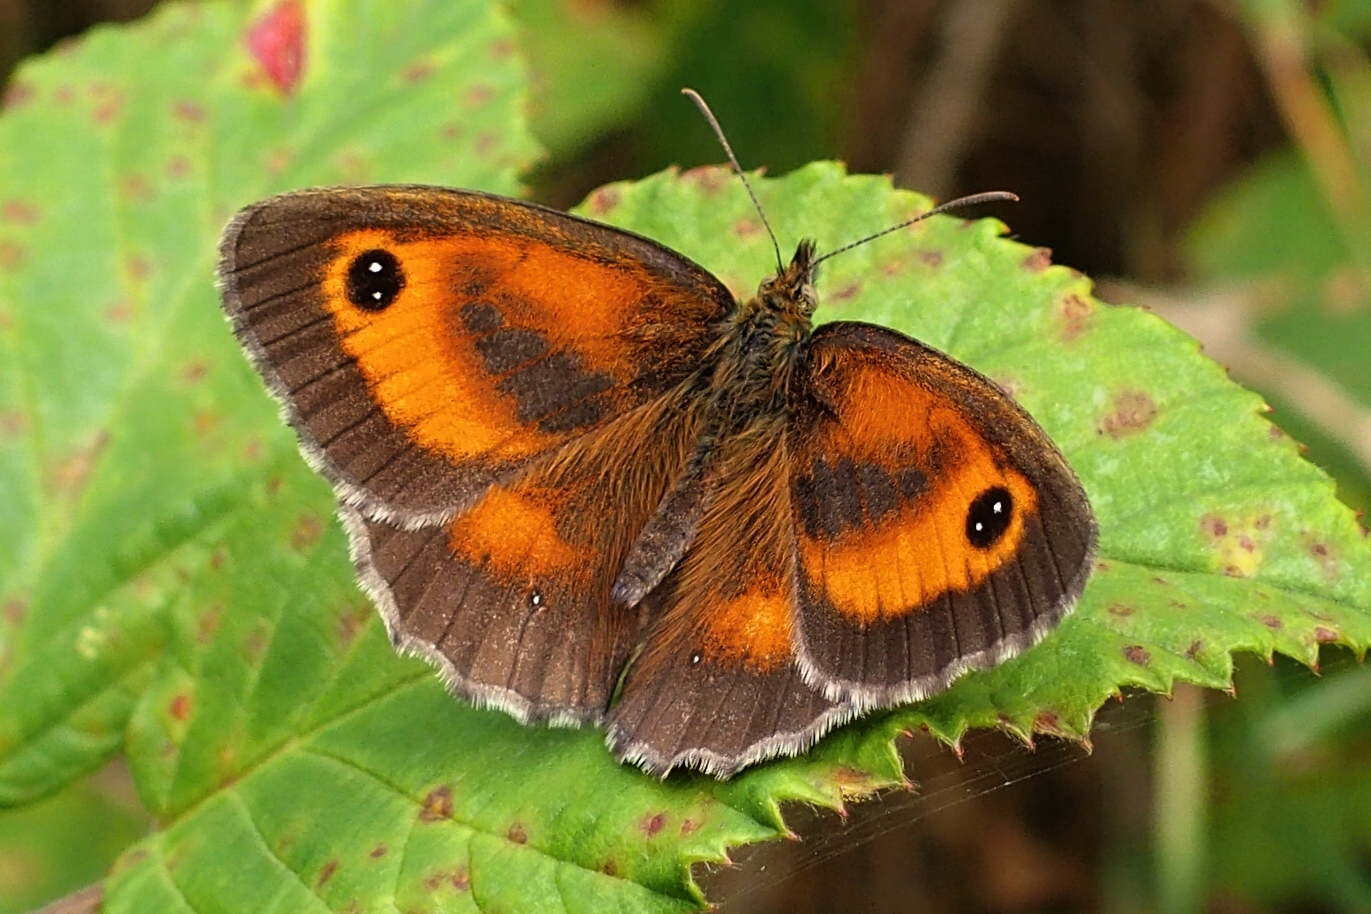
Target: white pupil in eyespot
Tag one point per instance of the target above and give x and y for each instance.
(375, 266)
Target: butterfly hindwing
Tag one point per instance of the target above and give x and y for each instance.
(426, 342)
(510, 598)
(938, 528)
(714, 685)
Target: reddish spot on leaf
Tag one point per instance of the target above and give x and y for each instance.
(277, 41)
(604, 199)
(255, 645)
(64, 95)
(452, 132)
(69, 476)
(351, 622)
(209, 621)
(19, 212)
(688, 826)
(378, 851)
(437, 805)
(13, 256)
(107, 102)
(653, 824)
(1275, 434)
(1136, 653)
(326, 872)
(461, 879)
(1194, 649)
(1270, 621)
(708, 179)
(179, 707)
(1325, 635)
(13, 424)
(1039, 260)
(1131, 412)
(19, 93)
(1178, 604)
(1047, 722)
(205, 420)
(188, 111)
(419, 71)
(610, 868)
(502, 47)
(16, 610)
(846, 292)
(747, 228)
(140, 268)
(486, 143)
(1213, 525)
(479, 95)
(306, 533)
(1121, 610)
(1077, 315)
(932, 259)
(517, 833)
(277, 160)
(194, 372)
(178, 166)
(252, 450)
(121, 312)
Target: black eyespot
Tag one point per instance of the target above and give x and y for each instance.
(988, 517)
(696, 657)
(374, 280)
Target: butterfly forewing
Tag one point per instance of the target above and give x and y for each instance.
(426, 342)
(938, 528)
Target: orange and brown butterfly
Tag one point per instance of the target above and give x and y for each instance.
(591, 486)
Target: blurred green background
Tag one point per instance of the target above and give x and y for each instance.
(1210, 160)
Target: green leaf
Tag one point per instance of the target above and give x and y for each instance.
(174, 584)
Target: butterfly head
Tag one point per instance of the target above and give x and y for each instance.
(791, 291)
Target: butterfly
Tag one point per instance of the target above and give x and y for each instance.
(591, 486)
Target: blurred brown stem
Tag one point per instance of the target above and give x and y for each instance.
(941, 116)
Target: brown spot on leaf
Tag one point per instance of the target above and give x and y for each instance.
(1121, 610)
(69, 476)
(1136, 653)
(479, 95)
(486, 143)
(1270, 621)
(1214, 525)
(604, 199)
(1324, 635)
(846, 292)
(610, 868)
(517, 833)
(378, 851)
(709, 179)
(18, 212)
(277, 42)
(308, 529)
(18, 93)
(461, 879)
(205, 420)
(1194, 649)
(1131, 412)
(64, 95)
(932, 259)
(135, 188)
(252, 449)
(194, 372)
(16, 610)
(178, 166)
(13, 256)
(121, 312)
(1077, 314)
(1039, 260)
(747, 228)
(437, 805)
(139, 267)
(350, 623)
(326, 872)
(419, 71)
(13, 423)
(688, 826)
(255, 645)
(452, 132)
(208, 624)
(651, 825)
(188, 111)
(179, 707)
(1047, 722)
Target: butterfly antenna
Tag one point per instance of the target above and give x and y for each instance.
(723, 141)
(989, 197)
